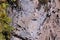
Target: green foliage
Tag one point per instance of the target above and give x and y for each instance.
(13, 0)
(5, 28)
(2, 37)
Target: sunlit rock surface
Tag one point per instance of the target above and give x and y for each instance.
(36, 22)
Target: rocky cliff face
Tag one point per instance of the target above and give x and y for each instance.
(35, 20)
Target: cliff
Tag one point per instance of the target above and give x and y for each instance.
(36, 20)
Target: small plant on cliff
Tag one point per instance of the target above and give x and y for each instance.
(5, 28)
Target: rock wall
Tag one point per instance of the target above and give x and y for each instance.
(36, 21)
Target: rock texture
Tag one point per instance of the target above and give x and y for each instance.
(35, 21)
